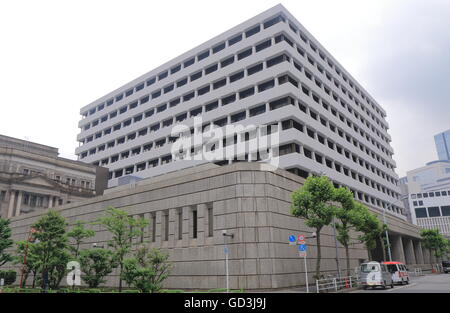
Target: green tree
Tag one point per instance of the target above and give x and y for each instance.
(313, 203)
(147, 270)
(123, 229)
(77, 236)
(349, 218)
(369, 225)
(433, 240)
(96, 264)
(5, 241)
(33, 262)
(52, 247)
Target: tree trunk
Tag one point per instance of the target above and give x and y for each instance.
(383, 247)
(120, 277)
(369, 253)
(319, 254)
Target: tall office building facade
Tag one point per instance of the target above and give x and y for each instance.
(268, 71)
(442, 141)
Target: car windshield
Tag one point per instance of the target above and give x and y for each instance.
(446, 263)
(367, 268)
(392, 268)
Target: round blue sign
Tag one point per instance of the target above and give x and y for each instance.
(301, 247)
(292, 238)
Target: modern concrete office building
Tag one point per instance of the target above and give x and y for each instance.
(442, 141)
(429, 196)
(33, 178)
(268, 70)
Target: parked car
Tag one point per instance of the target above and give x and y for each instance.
(374, 274)
(399, 272)
(446, 266)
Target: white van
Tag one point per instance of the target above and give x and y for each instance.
(399, 272)
(373, 274)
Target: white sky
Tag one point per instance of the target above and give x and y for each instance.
(57, 56)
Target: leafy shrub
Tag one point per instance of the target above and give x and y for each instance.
(9, 276)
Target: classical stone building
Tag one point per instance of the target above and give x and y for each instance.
(33, 177)
(188, 211)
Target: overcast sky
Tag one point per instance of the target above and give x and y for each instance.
(57, 56)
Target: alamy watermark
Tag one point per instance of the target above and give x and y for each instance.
(215, 143)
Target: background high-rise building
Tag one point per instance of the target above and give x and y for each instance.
(442, 141)
(268, 70)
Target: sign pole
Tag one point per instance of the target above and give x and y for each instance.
(306, 274)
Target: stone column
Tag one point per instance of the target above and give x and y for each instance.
(50, 202)
(418, 252)
(409, 251)
(397, 248)
(18, 204)
(12, 195)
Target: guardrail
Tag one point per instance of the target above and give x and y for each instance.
(417, 272)
(336, 283)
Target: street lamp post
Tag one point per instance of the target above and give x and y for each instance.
(385, 222)
(225, 234)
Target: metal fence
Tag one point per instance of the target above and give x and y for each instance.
(334, 284)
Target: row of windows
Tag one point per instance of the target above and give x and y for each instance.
(249, 91)
(325, 141)
(356, 194)
(194, 76)
(327, 90)
(240, 116)
(199, 57)
(231, 41)
(443, 193)
(433, 211)
(231, 98)
(334, 67)
(68, 180)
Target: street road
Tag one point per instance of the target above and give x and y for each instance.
(434, 283)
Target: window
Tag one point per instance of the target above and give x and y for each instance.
(220, 83)
(267, 85)
(244, 54)
(180, 223)
(278, 59)
(434, 212)
(129, 92)
(168, 88)
(247, 93)
(263, 45)
(182, 82)
(445, 210)
(203, 55)
(236, 76)
(281, 103)
(196, 76)
(175, 69)
(166, 226)
(189, 62)
(162, 75)
(280, 38)
(203, 90)
(255, 69)
(174, 102)
(287, 78)
(211, 69)
(238, 117)
(257, 110)
(273, 21)
(252, 31)
(156, 94)
(211, 106)
(234, 40)
(229, 99)
(196, 111)
(227, 61)
(194, 223)
(161, 108)
(219, 47)
(188, 96)
(149, 113)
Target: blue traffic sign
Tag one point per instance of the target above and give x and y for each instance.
(226, 250)
(292, 238)
(301, 247)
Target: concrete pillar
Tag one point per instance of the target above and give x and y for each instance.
(409, 251)
(418, 252)
(426, 255)
(398, 253)
(50, 202)
(18, 203)
(12, 195)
